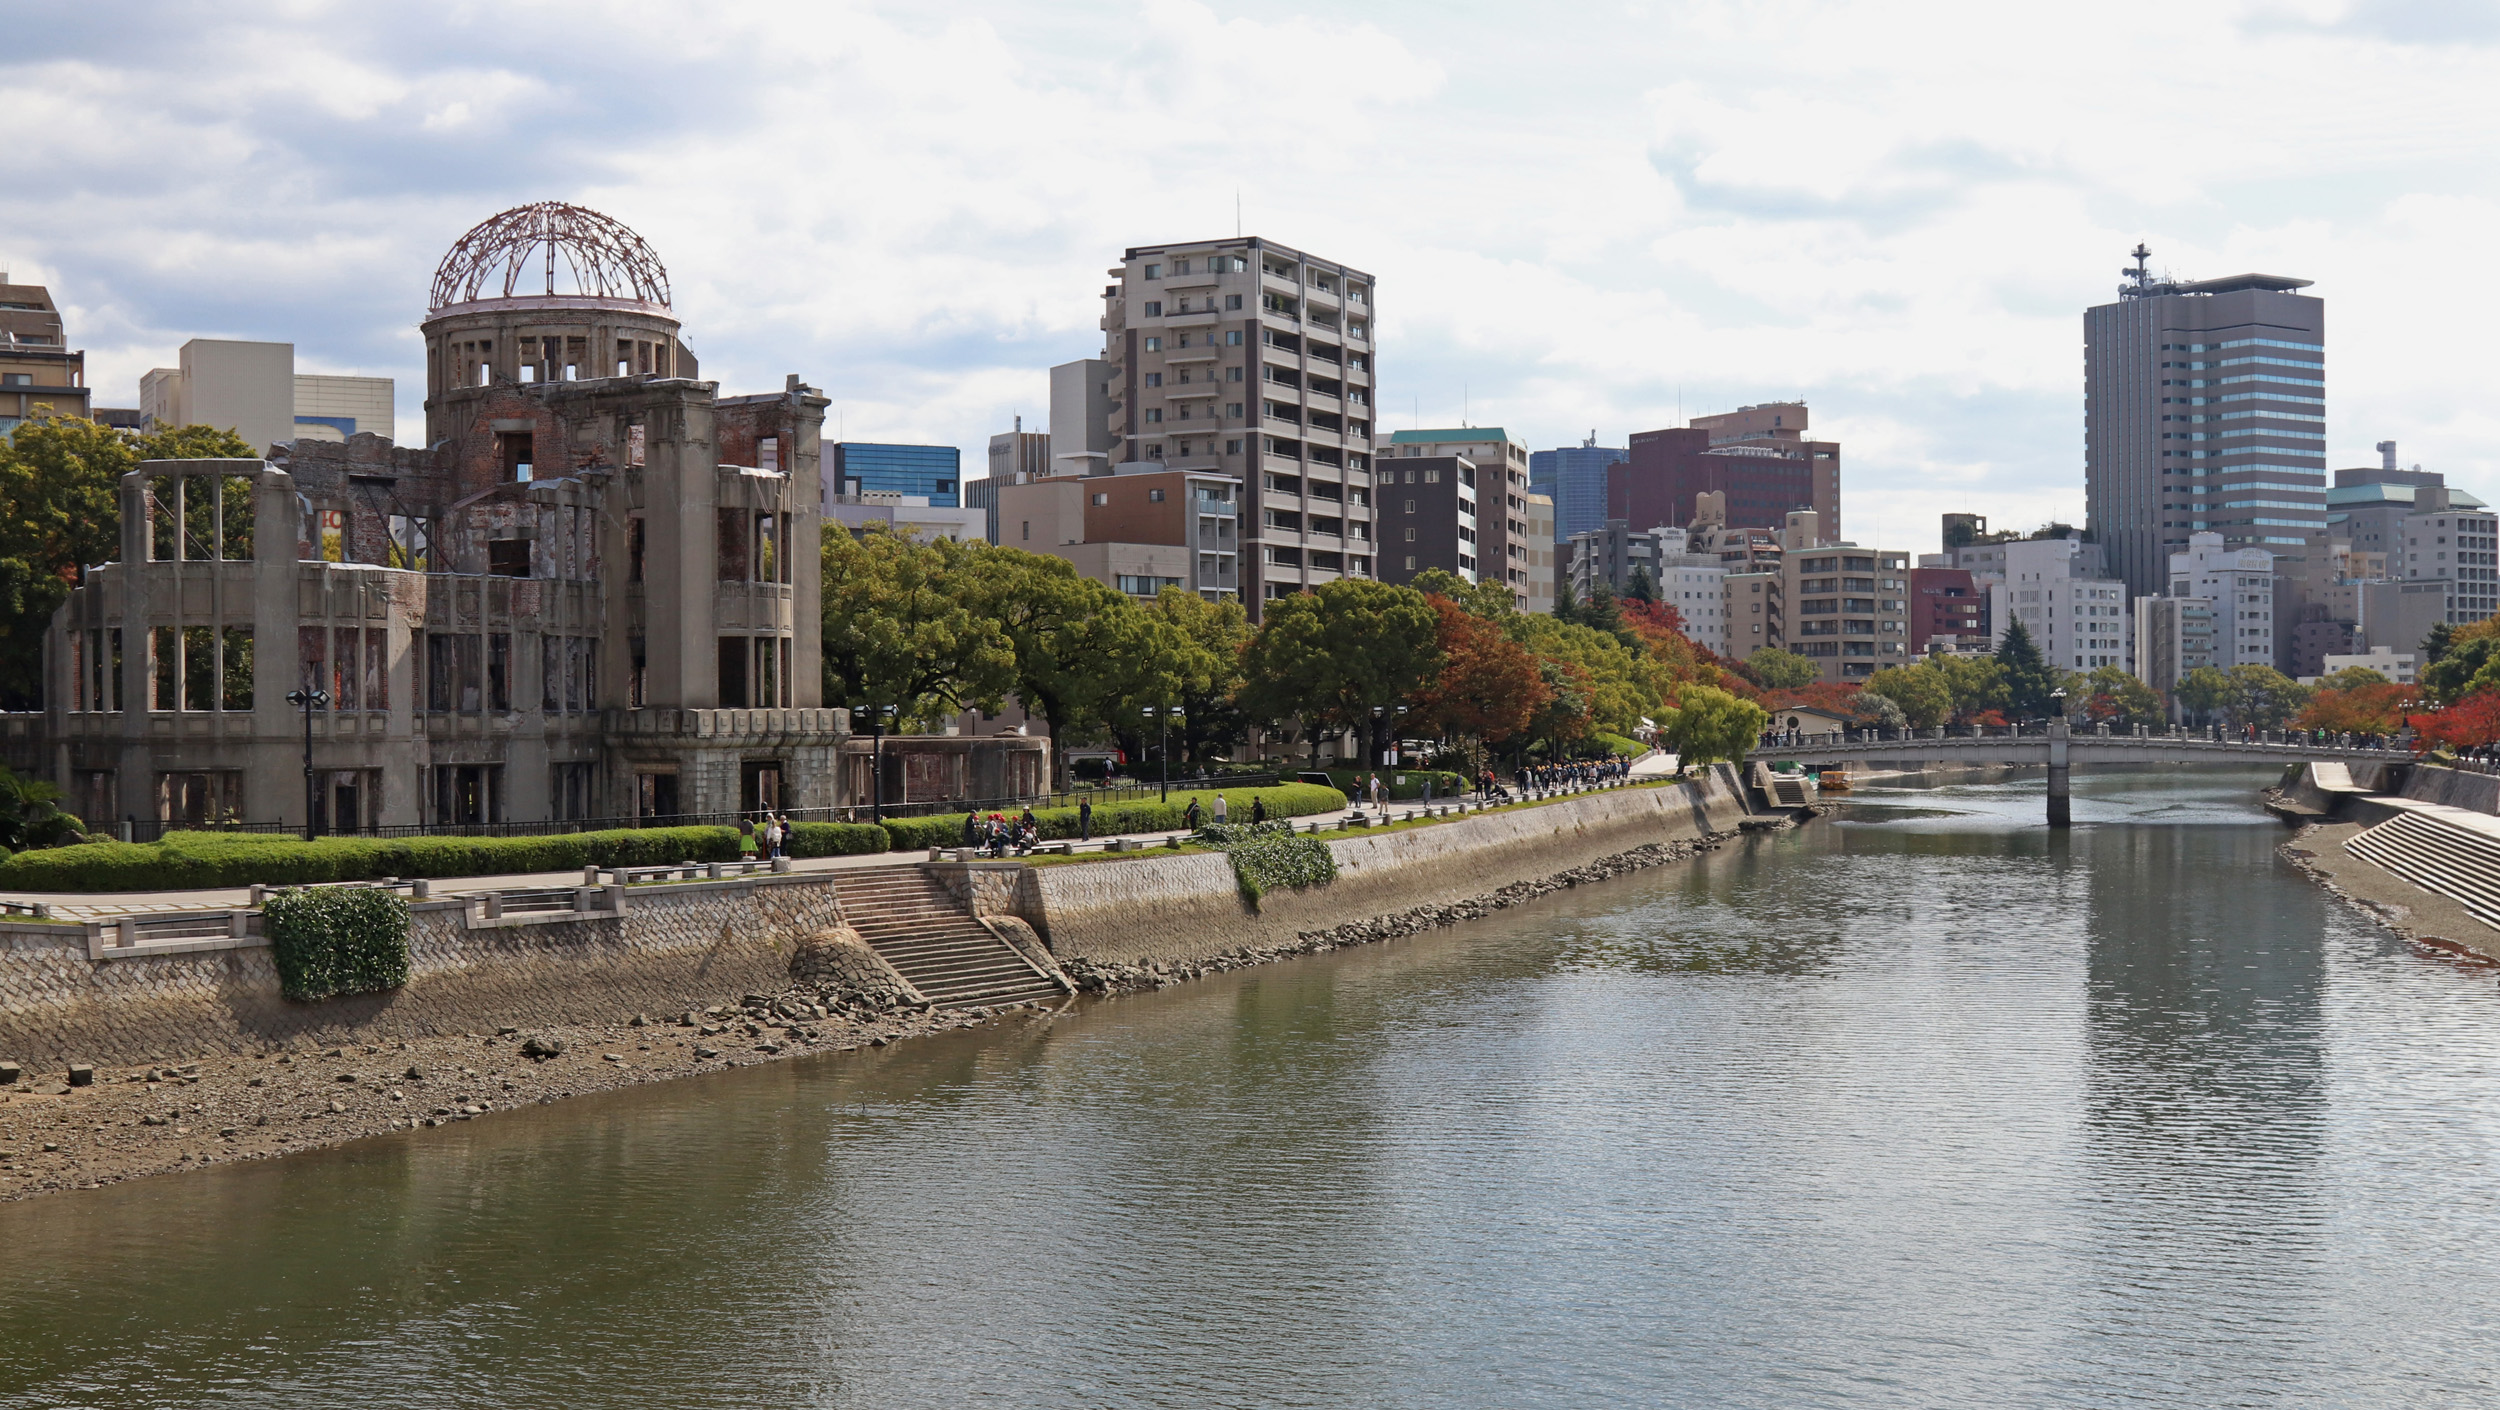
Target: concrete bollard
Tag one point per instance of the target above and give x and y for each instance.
(781, 866)
(420, 889)
(260, 894)
(712, 871)
(590, 876)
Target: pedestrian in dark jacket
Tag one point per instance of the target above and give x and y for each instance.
(1084, 819)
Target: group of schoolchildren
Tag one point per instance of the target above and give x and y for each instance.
(997, 834)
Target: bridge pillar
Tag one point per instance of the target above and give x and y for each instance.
(2060, 810)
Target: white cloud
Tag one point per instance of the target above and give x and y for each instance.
(1579, 218)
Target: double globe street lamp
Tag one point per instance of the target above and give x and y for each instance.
(309, 701)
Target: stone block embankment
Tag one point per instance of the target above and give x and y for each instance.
(672, 948)
(1188, 909)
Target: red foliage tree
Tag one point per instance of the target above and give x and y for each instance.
(2473, 721)
(1488, 687)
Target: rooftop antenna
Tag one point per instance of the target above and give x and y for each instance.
(1236, 212)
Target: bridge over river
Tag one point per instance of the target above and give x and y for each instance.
(2053, 745)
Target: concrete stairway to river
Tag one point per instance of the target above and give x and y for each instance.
(917, 925)
(2456, 860)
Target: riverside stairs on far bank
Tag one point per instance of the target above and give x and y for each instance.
(2436, 828)
(143, 989)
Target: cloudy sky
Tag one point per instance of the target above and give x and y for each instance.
(1583, 218)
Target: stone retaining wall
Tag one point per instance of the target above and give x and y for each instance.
(675, 947)
(1188, 908)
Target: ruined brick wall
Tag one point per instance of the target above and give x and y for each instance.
(1189, 907)
(674, 948)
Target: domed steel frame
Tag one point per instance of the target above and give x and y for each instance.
(607, 260)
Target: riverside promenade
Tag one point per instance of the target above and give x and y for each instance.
(94, 905)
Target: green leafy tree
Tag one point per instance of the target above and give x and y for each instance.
(1644, 588)
(1566, 602)
(1207, 670)
(2027, 678)
(2452, 677)
(2262, 696)
(1600, 685)
(2113, 695)
(1335, 653)
(1080, 646)
(1977, 683)
(1922, 693)
(1774, 669)
(898, 632)
(31, 816)
(2435, 646)
(2204, 692)
(1489, 600)
(1707, 724)
(60, 512)
(1877, 711)
(1602, 612)
(2351, 677)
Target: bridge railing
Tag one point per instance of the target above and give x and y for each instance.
(2217, 735)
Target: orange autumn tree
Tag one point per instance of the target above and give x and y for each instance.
(1489, 688)
(2376, 707)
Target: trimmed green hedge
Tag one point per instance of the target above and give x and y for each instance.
(195, 859)
(817, 839)
(337, 940)
(1290, 800)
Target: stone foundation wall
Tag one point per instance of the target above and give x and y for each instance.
(674, 948)
(1189, 909)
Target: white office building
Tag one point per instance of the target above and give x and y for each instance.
(2239, 582)
(2062, 593)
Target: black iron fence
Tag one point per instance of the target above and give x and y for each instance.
(152, 830)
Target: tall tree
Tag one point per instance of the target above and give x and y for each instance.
(1208, 679)
(899, 633)
(1775, 669)
(2026, 676)
(1644, 588)
(1566, 602)
(1049, 616)
(1488, 687)
(1923, 694)
(1706, 725)
(1336, 653)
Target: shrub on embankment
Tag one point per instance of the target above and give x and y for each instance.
(1290, 800)
(1445, 784)
(185, 860)
(1270, 856)
(823, 839)
(337, 940)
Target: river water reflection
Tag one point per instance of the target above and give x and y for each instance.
(1921, 1107)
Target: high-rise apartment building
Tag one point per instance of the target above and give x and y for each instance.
(2173, 636)
(1756, 457)
(1247, 358)
(1501, 462)
(37, 368)
(1575, 477)
(2204, 412)
(1015, 457)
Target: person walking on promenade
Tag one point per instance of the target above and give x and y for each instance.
(1084, 819)
(972, 829)
(1223, 812)
(1190, 818)
(1375, 792)
(1258, 811)
(746, 839)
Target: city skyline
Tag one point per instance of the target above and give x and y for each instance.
(1698, 236)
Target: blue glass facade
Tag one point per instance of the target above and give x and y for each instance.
(863, 467)
(1575, 476)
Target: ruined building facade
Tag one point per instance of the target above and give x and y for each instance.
(594, 593)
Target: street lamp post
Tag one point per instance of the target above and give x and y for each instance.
(309, 701)
(876, 762)
(1163, 747)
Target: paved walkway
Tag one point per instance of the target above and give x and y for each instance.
(92, 905)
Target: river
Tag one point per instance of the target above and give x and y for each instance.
(1921, 1106)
